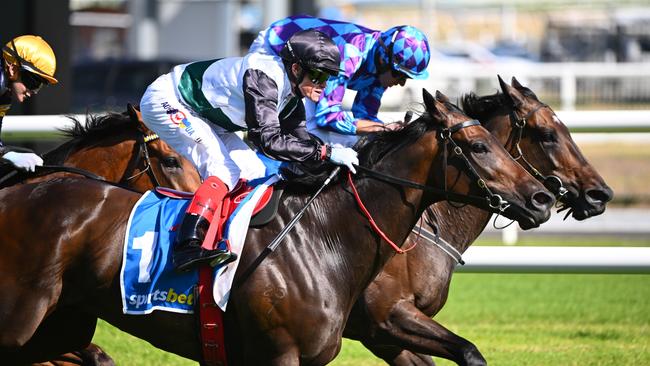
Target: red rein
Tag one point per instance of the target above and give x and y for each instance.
(372, 222)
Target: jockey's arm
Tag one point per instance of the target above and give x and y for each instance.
(261, 115)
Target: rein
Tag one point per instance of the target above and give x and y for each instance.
(494, 201)
(141, 151)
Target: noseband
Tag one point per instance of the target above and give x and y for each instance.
(494, 201)
(142, 152)
(551, 182)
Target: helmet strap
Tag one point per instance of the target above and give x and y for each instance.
(388, 64)
(295, 79)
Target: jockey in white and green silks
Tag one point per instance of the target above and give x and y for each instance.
(197, 108)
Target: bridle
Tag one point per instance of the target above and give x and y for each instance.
(141, 153)
(494, 201)
(551, 182)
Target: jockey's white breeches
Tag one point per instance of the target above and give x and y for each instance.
(213, 150)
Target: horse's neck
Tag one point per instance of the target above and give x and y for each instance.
(459, 226)
(334, 238)
(500, 126)
(103, 159)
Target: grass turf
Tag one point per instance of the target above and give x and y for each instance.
(514, 320)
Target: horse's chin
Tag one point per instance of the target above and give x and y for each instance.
(525, 218)
(583, 213)
(581, 209)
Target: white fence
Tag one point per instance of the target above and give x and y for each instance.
(567, 84)
(577, 121)
(556, 260)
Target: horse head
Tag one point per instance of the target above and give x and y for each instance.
(489, 171)
(543, 145)
(122, 150)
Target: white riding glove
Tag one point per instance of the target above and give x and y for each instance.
(24, 161)
(344, 156)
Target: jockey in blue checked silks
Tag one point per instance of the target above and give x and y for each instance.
(371, 62)
(197, 107)
(27, 63)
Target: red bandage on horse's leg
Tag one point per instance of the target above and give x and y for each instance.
(208, 198)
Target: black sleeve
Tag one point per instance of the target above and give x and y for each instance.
(292, 120)
(263, 121)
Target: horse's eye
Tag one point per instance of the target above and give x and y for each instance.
(479, 148)
(547, 136)
(171, 162)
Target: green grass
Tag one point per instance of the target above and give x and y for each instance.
(513, 319)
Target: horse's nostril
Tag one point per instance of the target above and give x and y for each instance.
(543, 199)
(599, 195)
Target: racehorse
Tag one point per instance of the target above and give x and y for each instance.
(123, 150)
(393, 317)
(293, 307)
(120, 149)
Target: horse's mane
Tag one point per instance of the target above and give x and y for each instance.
(372, 148)
(96, 126)
(484, 107)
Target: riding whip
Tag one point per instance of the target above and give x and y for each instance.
(278, 239)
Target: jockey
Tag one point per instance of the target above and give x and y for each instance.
(197, 107)
(27, 64)
(372, 61)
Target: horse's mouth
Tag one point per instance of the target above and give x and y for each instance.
(526, 218)
(581, 211)
(579, 208)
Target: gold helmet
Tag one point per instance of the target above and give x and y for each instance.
(33, 54)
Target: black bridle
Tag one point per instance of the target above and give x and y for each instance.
(494, 201)
(551, 182)
(141, 153)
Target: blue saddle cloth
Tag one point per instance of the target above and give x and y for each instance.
(148, 280)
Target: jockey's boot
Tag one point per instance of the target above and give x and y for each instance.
(206, 205)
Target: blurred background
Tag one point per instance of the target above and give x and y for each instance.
(589, 60)
(574, 54)
(577, 56)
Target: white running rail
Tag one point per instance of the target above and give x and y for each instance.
(556, 259)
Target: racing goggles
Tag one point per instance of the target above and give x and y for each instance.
(31, 81)
(317, 76)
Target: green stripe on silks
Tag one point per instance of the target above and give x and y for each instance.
(190, 89)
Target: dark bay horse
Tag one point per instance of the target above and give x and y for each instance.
(122, 150)
(393, 316)
(292, 309)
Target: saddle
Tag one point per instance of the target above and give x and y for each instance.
(264, 211)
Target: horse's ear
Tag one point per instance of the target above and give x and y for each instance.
(133, 112)
(432, 106)
(136, 117)
(524, 90)
(516, 83)
(441, 97)
(515, 97)
(428, 99)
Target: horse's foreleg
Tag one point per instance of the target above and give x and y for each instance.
(399, 357)
(65, 330)
(409, 328)
(20, 316)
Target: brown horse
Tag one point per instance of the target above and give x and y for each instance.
(393, 317)
(122, 150)
(292, 309)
